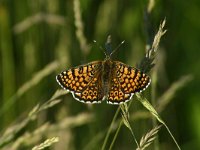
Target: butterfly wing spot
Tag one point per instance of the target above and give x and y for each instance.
(77, 84)
(80, 79)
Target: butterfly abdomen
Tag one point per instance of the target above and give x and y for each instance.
(106, 75)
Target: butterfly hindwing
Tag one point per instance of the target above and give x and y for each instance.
(93, 93)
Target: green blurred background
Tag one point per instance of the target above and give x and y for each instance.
(54, 35)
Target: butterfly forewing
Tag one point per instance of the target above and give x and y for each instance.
(84, 82)
(126, 81)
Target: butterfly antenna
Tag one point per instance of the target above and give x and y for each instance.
(117, 48)
(100, 47)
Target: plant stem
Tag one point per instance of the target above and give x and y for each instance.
(153, 97)
(110, 129)
(115, 136)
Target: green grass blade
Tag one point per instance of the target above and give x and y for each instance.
(148, 106)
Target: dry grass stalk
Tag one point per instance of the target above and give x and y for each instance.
(148, 138)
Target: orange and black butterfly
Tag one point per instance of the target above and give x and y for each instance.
(108, 80)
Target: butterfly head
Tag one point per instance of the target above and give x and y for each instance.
(108, 47)
(109, 52)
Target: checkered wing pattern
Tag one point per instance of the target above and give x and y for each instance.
(84, 82)
(125, 82)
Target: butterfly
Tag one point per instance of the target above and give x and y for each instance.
(108, 80)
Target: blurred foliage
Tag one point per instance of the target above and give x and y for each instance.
(39, 39)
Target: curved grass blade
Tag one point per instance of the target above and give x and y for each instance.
(148, 106)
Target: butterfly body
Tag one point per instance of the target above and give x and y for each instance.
(98, 80)
(107, 68)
